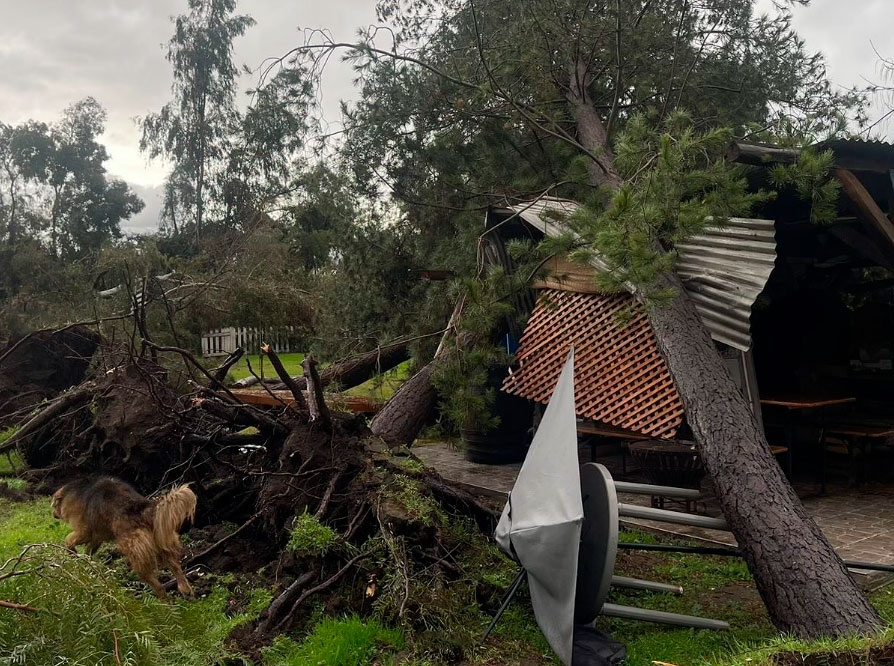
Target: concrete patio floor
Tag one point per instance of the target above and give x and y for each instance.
(858, 521)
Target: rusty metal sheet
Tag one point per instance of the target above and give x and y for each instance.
(620, 377)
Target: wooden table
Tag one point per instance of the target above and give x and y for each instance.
(806, 403)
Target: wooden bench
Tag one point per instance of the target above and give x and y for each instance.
(857, 439)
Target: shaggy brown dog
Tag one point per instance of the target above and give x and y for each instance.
(145, 531)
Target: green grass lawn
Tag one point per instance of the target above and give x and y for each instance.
(346, 641)
(261, 365)
(716, 587)
(92, 611)
(381, 387)
(385, 385)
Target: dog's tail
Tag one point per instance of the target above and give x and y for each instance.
(171, 511)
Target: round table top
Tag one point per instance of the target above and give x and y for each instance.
(598, 542)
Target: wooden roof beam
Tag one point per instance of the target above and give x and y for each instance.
(761, 154)
(867, 209)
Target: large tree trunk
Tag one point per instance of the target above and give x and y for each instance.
(402, 417)
(356, 370)
(591, 130)
(406, 413)
(803, 582)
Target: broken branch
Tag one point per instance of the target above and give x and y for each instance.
(284, 376)
(316, 403)
(21, 607)
(61, 404)
(220, 373)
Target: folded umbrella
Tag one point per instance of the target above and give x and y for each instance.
(541, 524)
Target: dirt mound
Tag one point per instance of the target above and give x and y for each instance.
(42, 364)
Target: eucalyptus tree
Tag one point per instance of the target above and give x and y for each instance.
(480, 95)
(193, 129)
(62, 165)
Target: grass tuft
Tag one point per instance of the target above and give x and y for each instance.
(336, 642)
(310, 537)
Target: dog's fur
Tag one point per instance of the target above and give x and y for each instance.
(145, 531)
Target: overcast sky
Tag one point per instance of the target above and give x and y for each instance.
(55, 52)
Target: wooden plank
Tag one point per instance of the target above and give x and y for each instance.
(600, 430)
(350, 403)
(805, 403)
(868, 210)
(565, 275)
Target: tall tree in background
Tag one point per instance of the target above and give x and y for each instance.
(558, 79)
(61, 165)
(192, 129)
(261, 170)
(10, 196)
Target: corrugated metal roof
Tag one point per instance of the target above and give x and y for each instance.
(547, 215)
(621, 378)
(724, 270)
(854, 154)
(861, 154)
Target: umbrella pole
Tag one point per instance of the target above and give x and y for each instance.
(504, 604)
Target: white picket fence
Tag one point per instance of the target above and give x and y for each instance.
(223, 341)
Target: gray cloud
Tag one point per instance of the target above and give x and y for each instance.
(146, 221)
(54, 52)
(845, 31)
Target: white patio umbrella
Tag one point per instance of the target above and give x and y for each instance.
(541, 523)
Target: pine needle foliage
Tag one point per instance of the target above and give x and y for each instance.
(462, 378)
(810, 178)
(86, 617)
(675, 184)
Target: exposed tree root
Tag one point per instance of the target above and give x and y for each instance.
(318, 499)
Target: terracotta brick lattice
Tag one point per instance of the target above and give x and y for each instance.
(620, 377)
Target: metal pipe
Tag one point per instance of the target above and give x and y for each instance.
(648, 585)
(732, 552)
(869, 566)
(507, 598)
(646, 615)
(666, 548)
(664, 491)
(665, 516)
